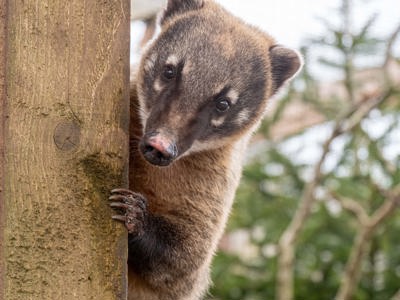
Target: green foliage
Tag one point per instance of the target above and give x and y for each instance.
(274, 181)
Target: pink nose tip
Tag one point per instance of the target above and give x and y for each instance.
(159, 143)
(158, 149)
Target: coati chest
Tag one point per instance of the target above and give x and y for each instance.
(200, 91)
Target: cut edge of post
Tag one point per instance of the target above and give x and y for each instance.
(3, 47)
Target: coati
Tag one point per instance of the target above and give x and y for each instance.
(200, 91)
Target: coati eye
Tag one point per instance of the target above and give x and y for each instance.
(169, 72)
(222, 105)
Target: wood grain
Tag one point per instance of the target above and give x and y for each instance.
(3, 12)
(66, 146)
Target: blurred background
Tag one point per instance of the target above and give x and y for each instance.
(317, 215)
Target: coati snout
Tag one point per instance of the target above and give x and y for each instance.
(158, 149)
(206, 80)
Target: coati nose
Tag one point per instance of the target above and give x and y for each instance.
(158, 150)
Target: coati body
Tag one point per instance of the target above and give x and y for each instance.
(201, 90)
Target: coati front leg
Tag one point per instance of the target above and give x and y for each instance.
(158, 246)
(134, 208)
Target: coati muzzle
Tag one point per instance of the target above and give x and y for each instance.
(158, 149)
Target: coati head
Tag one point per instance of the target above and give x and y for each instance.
(205, 80)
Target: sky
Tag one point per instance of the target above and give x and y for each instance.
(292, 22)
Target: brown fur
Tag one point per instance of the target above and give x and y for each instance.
(199, 208)
(192, 196)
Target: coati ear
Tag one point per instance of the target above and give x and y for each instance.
(285, 63)
(176, 7)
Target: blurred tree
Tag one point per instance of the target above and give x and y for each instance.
(317, 215)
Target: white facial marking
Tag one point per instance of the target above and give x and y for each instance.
(157, 85)
(202, 146)
(233, 96)
(242, 117)
(172, 60)
(218, 122)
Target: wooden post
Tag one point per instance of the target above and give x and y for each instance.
(65, 145)
(2, 119)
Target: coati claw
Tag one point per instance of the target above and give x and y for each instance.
(133, 208)
(117, 197)
(119, 205)
(122, 191)
(119, 218)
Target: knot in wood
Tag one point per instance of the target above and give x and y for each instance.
(67, 135)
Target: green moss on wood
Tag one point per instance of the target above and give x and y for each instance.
(102, 175)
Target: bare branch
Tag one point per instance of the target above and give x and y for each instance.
(362, 109)
(351, 274)
(354, 207)
(289, 236)
(389, 56)
(389, 47)
(387, 208)
(361, 245)
(287, 241)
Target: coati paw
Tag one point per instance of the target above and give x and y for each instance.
(133, 209)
